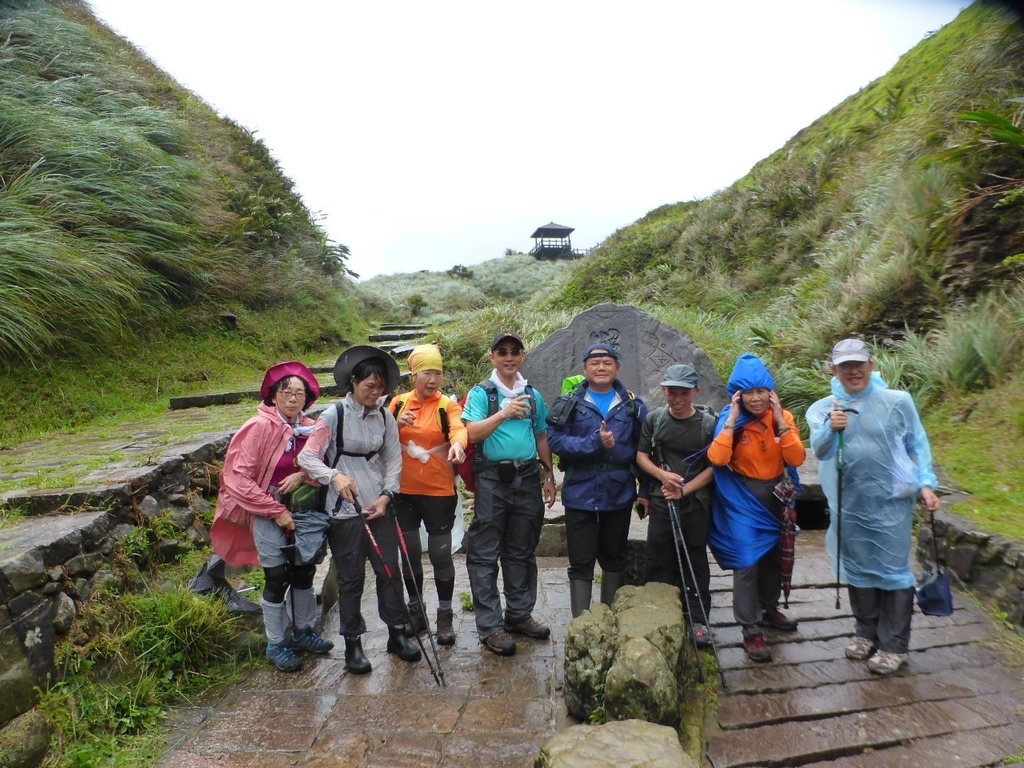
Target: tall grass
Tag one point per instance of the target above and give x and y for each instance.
(119, 204)
(142, 653)
(977, 347)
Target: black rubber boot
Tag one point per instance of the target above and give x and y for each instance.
(355, 660)
(399, 645)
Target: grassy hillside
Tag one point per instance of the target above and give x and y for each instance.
(438, 296)
(131, 217)
(861, 223)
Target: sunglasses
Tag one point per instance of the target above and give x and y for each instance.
(506, 352)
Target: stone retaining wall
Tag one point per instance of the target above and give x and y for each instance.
(989, 566)
(54, 559)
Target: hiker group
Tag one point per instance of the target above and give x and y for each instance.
(364, 478)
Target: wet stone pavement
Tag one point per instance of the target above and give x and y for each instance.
(494, 711)
(958, 702)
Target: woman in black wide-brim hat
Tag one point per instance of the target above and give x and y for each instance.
(361, 468)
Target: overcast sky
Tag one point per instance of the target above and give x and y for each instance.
(435, 134)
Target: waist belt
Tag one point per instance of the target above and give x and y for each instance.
(517, 463)
(599, 466)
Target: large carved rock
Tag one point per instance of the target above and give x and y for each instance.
(647, 346)
(625, 744)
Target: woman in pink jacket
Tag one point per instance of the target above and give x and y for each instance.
(266, 512)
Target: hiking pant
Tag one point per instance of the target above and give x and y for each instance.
(437, 513)
(506, 525)
(758, 588)
(596, 537)
(350, 547)
(883, 616)
(661, 563)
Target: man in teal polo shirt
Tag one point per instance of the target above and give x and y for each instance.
(506, 419)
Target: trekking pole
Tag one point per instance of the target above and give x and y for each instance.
(404, 548)
(677, 537)
(840, 465)
(391, 580)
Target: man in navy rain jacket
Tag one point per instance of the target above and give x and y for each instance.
(594, 431)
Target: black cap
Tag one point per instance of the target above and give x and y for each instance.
(507, 335)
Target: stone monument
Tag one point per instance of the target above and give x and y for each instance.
(647, 345)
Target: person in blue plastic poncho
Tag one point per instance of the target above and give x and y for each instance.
(753, 456)
(887, 465)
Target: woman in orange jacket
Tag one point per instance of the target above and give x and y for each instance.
(755, 441)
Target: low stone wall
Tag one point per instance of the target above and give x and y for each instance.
(53, 561)
(988, 565)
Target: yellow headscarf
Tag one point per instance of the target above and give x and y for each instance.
(425, 357)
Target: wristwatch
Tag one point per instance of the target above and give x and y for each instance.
(390, 494)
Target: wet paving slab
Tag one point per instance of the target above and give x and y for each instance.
(958, 702)
(493, 711)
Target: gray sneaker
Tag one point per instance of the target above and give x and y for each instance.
(861, 648)
(886, 662)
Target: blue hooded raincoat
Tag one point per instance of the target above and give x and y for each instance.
(742, 529)
(888, 460)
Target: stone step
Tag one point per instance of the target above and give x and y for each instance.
(327, 387)
(396, 336)
(403, 326)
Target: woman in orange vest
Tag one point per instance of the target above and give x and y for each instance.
(433, 437)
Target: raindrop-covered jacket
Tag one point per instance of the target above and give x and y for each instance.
(887, 462)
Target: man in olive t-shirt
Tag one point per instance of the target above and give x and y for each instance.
(677, 435)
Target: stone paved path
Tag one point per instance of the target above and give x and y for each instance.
(959, 702)
(494, 711)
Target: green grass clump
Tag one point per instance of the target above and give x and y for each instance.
(143, 653)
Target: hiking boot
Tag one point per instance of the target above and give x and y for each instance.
(445, 628)
(282, 657)
(417, 622)
(399, 645)
(773, 617)
(529, 627)
(309, 641)
(701, 636)
(355, 660)
(886, 662)
(861, 648)
(500, 643)
(756, 648)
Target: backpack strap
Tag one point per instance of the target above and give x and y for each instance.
(442, 416)
(339, 438)
(398, 405)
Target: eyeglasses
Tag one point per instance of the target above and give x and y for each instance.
(506, 352)
(292, 394)
(850, 366)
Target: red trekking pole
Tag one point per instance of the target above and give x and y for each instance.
(391, 581)
(419, 600)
